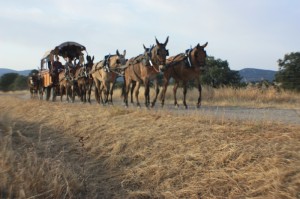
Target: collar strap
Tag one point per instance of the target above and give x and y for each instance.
(188, 55)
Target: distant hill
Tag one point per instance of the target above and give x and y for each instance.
(6, 70)
(256, 75)
(247, 74)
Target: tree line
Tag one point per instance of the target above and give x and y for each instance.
(217, 74)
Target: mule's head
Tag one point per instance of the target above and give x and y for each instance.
(198, 55)
(159, 54)
(118, 59)
(89, 62)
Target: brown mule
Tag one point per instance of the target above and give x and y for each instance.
(67, 83)
(183, 68)
(34, 84)
(143, 69)
(105, 73)
(84, 79)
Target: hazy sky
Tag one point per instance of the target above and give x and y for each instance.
(252, 33)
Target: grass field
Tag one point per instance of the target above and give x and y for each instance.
(60, 150)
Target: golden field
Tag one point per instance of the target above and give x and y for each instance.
(60, 150)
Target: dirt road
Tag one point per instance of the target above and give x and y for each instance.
(287, 116)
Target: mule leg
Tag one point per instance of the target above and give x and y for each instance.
(174, 93)
(61, 93)
(147, 93)
(131, 91)
(90, 85)
(200, 94)
(163, 92)
(127, 87)
(67, 93)
(156, 87)
(111, 91)
(84, 90)
(97, 91)
(72, 93)
(184, 94)
(106, 91)
(136, 91)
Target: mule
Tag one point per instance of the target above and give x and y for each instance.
(67, 83)
(183, 68)
(144, 68)
(34, 84)
(105, 73)
(84, 80)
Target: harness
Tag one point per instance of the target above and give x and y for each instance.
(188, 56)
(106, 63)
(149, 52)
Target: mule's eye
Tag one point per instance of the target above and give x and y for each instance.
(157, 53)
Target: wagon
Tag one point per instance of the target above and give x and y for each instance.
(70, 50)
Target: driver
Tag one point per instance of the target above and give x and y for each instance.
(56, 68)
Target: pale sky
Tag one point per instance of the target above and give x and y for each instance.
(246, 33)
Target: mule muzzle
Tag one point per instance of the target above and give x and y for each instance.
(162, 68)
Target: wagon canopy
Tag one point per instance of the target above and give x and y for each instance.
(69, 49)
(47, 55)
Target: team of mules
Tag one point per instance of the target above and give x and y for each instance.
(140, 70)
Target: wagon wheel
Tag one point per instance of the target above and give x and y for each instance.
(48, 93)
(55, 92)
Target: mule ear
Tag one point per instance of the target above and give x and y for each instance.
(166, 42)
(144, 47)
(93, 58)
(118, 53)
(205, 45)
(157, 42)
(124, 53)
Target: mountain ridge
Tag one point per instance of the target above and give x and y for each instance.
(20, 72)
(247, 74)
(256, 75)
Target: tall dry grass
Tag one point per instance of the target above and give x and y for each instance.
(139, 153)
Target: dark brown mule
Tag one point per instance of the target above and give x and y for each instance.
(105, 73)
(34, 83)
(67, 83)
(183, 68)
(143, 69)
(84, 79)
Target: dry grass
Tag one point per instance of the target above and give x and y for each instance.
(129, 153)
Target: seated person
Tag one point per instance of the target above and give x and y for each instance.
(56, 68)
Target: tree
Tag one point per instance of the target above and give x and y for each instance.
(7, 80)
(289, 71)
(34, 71)
(20, 83)
(12, 82)
(219, 74)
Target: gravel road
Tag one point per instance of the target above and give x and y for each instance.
(286, 116)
